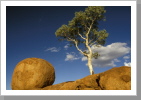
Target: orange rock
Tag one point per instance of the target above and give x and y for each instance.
(56, 86)
(32, 73)
(89, 83)
(118, 78)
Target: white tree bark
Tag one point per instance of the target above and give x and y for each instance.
(89, 55)
(90, 66)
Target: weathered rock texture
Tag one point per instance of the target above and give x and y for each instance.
(118, 78)
(32, 73)
(38, 74)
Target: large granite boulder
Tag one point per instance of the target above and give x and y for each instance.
(32, 73)
(89, 83)
(117, 78)
(38, 74)
(86, 83)
(60, 86)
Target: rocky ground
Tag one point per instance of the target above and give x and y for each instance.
(30, 73)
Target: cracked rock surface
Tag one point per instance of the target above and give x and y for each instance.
(118, 78)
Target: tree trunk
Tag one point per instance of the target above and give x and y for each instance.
(90, 65)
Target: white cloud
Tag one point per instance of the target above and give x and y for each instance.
(66, 46)
(109, 54)
(53, 49)
(71, 56)
(127, 64)
(116, 60)
(126, 57)
(84, 58)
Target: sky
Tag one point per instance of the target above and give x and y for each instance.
(30, 32)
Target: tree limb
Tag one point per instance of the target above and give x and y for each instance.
(79, 49)
(69, 39)
(94, 42)
(87, 37)
(81, 35)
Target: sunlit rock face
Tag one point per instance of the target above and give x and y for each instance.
(118, 78)
(38, 74)
(32, 73)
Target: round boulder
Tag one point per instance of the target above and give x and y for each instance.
(32, 73)
(117, 78)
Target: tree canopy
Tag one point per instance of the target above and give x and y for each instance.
(83, 29)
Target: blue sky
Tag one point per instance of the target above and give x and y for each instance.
(30, 32)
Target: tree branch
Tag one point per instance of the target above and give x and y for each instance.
(69, 39)
(87, 37)
(91, 24)
(90, 41)
(81, 35)
(94, 42)
(76, 45)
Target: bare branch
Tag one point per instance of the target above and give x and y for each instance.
(90, 41)
(69, 39)
(91, 25)
(81, 35)
(76, 45)
(86, 27)
(94, 42)
(87, 37)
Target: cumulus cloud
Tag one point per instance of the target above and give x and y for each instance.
(127, 61)
(71, 56)
(66, 46)
(126, 57)
(109, 54)
(116, 60)
(53, 49)
(84, 58)
(127, 64)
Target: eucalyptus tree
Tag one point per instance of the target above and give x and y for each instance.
(83, 30)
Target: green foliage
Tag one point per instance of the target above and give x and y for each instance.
(95, 55)
(81, 24)
(99, 36)
(84, 27)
